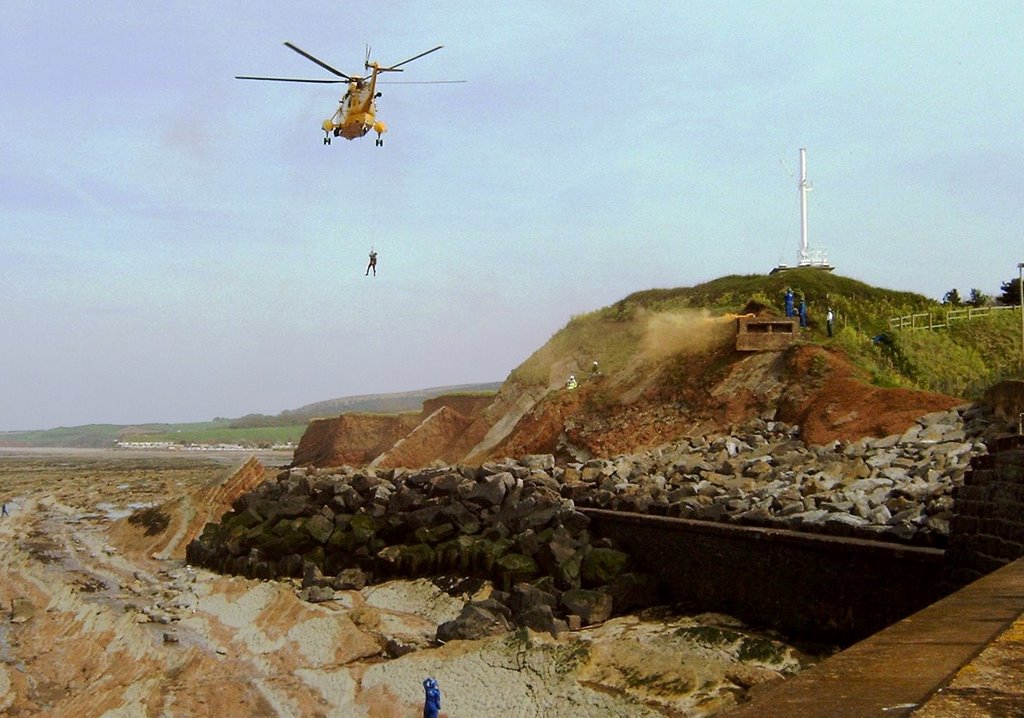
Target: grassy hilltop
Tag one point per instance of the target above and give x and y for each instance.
(960, 360)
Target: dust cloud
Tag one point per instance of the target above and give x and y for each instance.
(686, 331)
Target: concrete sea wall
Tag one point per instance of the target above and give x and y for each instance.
(815, 587)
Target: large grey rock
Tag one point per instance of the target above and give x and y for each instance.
(591, 606)
(491, 490)
(478, 619)
(542, 619)
(319, 527)
(538, 461)
(350, 579)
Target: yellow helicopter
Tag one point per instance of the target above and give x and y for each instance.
(357, 109)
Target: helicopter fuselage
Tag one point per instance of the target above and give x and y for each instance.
(357, 112)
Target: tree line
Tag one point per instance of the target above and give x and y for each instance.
(1010, 296)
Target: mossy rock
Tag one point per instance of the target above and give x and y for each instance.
(259, 535)
(567, 573)
(590, 606)
(435, 534)
(243, 520)
(710, 636)
(291, 538)
(315, 556)
(389, 556)
(546, 584)
(290, 565)
(455, 555)
(486, 552)
(513, 568)
(212, 534)
(756, 649)
(282, 527)
(341, 541)
(365, 522)
(416, 560)
(602, 565)
(633, 590)
(319, 527)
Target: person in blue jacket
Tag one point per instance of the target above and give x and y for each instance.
(432, 699)
(789, 301)
(803, 313)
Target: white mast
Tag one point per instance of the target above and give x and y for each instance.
(805, 187)
(817, 258)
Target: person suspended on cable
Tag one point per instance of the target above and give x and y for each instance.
(373, 263)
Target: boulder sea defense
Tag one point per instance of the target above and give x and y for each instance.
(506, 522)
(517, 523)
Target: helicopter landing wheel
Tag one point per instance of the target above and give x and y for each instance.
(327, 140)
(380, 142)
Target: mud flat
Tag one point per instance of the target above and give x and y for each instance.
(220, 456)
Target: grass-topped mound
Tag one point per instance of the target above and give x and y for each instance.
(646, 329)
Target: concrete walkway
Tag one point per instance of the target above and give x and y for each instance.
(961, 657)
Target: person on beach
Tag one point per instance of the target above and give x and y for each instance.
(432, 698)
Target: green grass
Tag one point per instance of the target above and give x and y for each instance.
(858, 304)
(960, 361)
(88, 436)
(206, 432)
(263, 436)
(965, 358)
(585, 339)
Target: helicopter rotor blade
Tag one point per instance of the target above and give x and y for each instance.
(420, 82)
(289, 79)
(318, 61)
(417, 57)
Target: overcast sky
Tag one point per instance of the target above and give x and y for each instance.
(177, 245)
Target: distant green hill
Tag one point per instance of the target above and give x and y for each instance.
(258, 430)
(88, 436)
(396, 403)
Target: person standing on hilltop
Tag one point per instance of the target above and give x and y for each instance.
(373, 263)
(789, 301)
(828, 320)
(803, 313)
